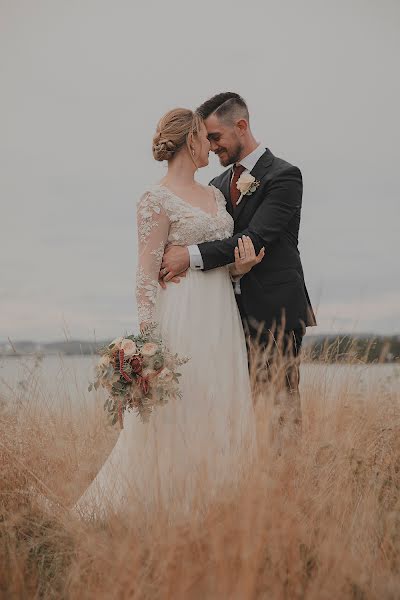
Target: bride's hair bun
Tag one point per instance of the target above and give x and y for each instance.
(163, 149)
(173, 132)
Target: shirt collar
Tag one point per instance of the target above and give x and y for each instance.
(249, 161)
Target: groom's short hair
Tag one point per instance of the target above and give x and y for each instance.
(227, 106)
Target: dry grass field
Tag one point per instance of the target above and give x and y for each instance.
(316, 517)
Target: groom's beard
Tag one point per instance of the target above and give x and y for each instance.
(230, 157)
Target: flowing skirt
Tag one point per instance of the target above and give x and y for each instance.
(192, 446)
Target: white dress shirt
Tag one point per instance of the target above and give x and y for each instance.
(248, 162)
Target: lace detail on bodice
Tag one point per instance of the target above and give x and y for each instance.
(164, 218)
(188, 224)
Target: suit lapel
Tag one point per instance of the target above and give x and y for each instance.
(258, 171)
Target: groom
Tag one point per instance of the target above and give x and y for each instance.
(272, 297)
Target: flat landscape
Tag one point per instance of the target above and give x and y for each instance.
(319, 518)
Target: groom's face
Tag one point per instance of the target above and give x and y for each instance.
(224, 140)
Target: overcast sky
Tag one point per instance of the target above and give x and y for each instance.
(83, 84)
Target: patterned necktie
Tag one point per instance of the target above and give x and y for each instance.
(235, 194)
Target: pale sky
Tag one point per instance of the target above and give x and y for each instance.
(83, 84)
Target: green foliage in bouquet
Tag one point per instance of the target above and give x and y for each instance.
(139, 372)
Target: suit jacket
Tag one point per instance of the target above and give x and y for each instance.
(273, 292)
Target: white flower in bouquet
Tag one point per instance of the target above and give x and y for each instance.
(117, 343)
(102, 365)
(149, 349)
(104, 361)
(129, 347)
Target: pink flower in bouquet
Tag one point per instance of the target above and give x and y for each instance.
(129, 347)
(165, 375)
(149, 349)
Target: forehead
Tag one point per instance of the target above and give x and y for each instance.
(214, 125)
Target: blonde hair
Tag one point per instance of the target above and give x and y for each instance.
(174, 130)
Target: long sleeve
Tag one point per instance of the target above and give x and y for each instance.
(152, 227)
(282, 200)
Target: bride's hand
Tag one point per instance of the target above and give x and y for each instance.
(245, 256)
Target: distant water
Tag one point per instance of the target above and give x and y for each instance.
(53, 378)
(66, 378)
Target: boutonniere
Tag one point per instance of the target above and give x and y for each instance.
(246, 184)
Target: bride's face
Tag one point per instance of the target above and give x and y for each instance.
(201, 146)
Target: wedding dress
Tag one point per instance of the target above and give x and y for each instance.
(192, 446)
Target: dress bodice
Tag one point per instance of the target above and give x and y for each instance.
(188, 224)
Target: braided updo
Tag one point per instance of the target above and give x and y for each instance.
(174, 131)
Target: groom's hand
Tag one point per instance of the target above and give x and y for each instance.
(175, 279)
(176, 261)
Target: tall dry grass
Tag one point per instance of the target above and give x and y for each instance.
(316, 517)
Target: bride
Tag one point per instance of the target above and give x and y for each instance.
(195, 444)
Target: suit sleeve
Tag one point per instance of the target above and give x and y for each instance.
(281, 201)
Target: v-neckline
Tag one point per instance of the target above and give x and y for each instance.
(191, 205)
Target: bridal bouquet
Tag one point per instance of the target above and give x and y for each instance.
(139, 373)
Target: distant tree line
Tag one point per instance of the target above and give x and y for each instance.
(370, 349)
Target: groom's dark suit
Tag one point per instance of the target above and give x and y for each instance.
(271, 218)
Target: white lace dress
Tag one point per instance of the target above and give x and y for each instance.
(194, 445)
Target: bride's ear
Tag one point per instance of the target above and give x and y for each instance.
(191, 144)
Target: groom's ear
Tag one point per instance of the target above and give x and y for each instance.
(242, 125)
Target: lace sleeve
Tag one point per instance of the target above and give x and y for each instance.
(153, 227)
